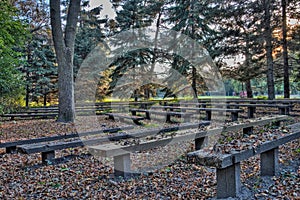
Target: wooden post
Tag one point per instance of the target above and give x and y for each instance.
(133, 112)
(208, 115)
(282, 110)
(10, 149)
(234, 116)
(47, 156)
(200, 143)
(248, 130)
(269, 162)
(122, 165)
(251, 112)
(228, 181)
(168, 117)
(147, 115)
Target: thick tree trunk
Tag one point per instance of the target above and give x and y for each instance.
(64, 49)
(269, 48)
(286, 81)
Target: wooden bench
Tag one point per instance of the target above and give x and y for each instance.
(122, 116)
(283, 109)
(168, 114)
(234, 112)
(12, 146)
(47, 150)
(121, 154)
(12, 116)
(228, 165)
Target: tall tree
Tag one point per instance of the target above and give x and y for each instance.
(130, 16)
(64, 49)
(39, 69)
(194, 19)
(267, 5)
(286, 76)
(241, 35)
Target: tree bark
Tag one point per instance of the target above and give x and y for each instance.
(269, 48)
(249, 89)
(64, 49)
(286, 81)
(247, 63)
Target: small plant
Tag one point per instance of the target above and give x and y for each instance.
(229, 139)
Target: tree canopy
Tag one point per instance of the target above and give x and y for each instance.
(12, 37)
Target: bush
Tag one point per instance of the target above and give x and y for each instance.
(10, 104)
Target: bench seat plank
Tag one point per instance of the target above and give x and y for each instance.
(111, 149)
(12, 145)
(219, 160)
(35, 148)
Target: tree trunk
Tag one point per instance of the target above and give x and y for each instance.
(64, 49)
(269, 48)
(247, 62)
(194, 70)
(45, 99)
(249, 89)
(286, 81)
(194, 82)
(27, 90)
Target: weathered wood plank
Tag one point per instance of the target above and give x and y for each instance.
(40, 147)
(60, 137)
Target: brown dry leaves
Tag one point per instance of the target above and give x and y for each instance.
(82, 176)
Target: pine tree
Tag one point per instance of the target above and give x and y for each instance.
(131, 16)
(40, 70)
(194, 19)
(241, 26)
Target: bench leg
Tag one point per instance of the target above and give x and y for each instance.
(10, 149)
(251, 112)
(122, 165)
(269, 162)
(200, 143)
(208, 115)
(148, 115)
(282, 111)
(234, 116)
(48, 155)
(168, 119)
(229, 181)
(248, 130)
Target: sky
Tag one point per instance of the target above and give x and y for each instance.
(107, 7)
